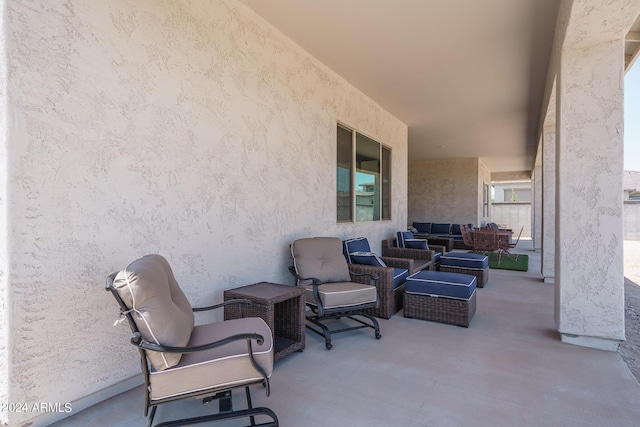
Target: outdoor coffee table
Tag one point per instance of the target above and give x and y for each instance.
(280, 306)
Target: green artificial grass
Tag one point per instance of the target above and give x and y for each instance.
(509, 262)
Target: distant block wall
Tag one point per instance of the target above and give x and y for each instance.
(631, 218)
(513, 216)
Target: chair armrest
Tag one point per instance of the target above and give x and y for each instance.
(406, 263)
(438, 248)
(421, 254)
(384, 281)
(356, 271)
(136, 339)
(376, 275)
(318, 282)
(295, 274)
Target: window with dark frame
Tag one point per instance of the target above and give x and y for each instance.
(485, 200)
(363, 181)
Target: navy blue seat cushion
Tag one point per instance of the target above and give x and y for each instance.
(359, 244)
(399, 276)
(451, 285)
(465, 259)
(436, 257)
(366, 258)
(422, 227)
(442, 229)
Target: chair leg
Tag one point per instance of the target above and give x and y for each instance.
(249, 405)
(226, 412)
(244, 413)
(151, 416)
(373, 320)
(325, 332)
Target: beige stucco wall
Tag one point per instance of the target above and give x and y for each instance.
(446, 191)
(4, 258)
(536, 220)
(588, 68)
(511, 176)
(190, 129)
(548, 201)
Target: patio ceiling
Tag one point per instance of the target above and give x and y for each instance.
(466, 76)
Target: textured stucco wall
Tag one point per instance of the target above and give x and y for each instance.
(548, 203)
(584, 90)
(589, 195)
(190, 129)
(444, 191)
(4, 272)
(536, 221)
(510, 176)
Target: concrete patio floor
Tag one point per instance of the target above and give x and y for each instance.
(508, 368)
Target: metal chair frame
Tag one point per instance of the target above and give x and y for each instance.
(321, 313)
(505, 248)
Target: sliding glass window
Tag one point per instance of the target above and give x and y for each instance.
(363, 178)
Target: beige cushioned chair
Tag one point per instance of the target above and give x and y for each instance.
(181, 360)
(332, 290)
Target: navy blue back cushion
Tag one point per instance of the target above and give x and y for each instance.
(422, 227)
(401, 236)
(359, 244)
(455, 229)
(440, 228)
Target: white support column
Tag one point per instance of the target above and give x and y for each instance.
(589, 148)
(548, 204)
(537, 208)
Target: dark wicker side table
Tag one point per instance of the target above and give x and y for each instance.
(280, 306)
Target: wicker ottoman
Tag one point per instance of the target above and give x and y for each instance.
(467, 263)
(441, 297)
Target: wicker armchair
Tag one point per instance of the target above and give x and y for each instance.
(392, 274)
